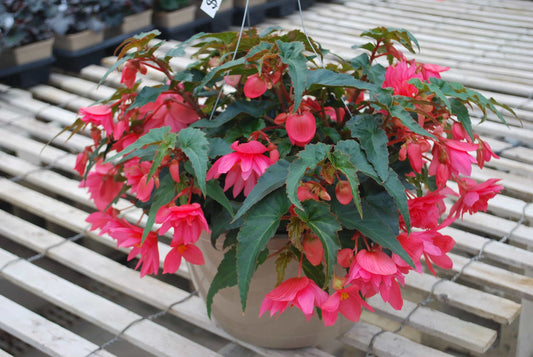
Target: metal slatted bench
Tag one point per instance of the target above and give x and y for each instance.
(68, 292)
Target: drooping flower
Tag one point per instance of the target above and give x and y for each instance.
(255, 86)
(187, 220)
(136, 173)
(473, 197)
(415, 149)
(98, 115)
(451, 157)
(484, 153)
(301, 128)
(189, 252)
(346, 300)
(425, 211)
(102, 186)
(170, 109)
(343, 192)
(431, 70)
(82, 159)
(243, 166)
(374, 271)
(312, 190)
(302, 293)
(129, 72)
(313, 249)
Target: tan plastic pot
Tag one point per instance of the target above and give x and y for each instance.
(131, 23)
(26, 54)
(77, 41)
(290, 330)
(170, 19)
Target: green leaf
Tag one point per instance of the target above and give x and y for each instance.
(219, 71)
(342, 163)
(161, 196)
(327, 78)
(396, 190)
(459, 109)
(255, 109)
(273, 178)
(152, 137)
(323, 223)
(225, 277)
(407, 120)
(373, 140)
(357, 157)
(179, 50)
(218, 147)
(169, 141)
(147, 95)
(214, 191)
(291, 53)
(195, 146)
(307, 159)
(260, 224)
(380, 221)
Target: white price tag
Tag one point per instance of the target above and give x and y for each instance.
(210, 7)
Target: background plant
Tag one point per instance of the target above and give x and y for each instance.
(345, 160)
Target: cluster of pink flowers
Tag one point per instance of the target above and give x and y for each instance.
(447, 154)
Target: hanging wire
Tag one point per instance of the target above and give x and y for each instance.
(431, 293)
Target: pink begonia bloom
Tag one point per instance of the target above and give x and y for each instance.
(346, 300)
(484, 153)
(425, 211)
(243, 166)
(451, 157)
(302, 293)
(313, 249)
(343, 192)
(232, 79)
(312, 190)
(102, 186)
(169, 110)
(431, 70)
(136, 173)
(125, 141)
(255, 86)
(130, 236)
(105, 220)
(301, 128)
(415, 150)
(82, 159)
(396, 77)
(374, 271)
(129, 72)
(189, 252)
(473, 196)
(187, 220)
(345, 257)
(98, 115)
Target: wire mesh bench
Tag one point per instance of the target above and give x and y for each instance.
(68, 292)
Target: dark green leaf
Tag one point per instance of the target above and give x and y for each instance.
(154, 136)
(260, 224)
(147, 95)
(225, 277)
(291, 53)
(195, 146)
(218, 147)
(327, 78)
(373, 140)
(461, 112)
(255, 109)
(308, 159)
(379, 223)
(324, 224)
(396, 190)
(162, 195)
(407, 120)
(273, 178)
(357, 157)
(215, 192)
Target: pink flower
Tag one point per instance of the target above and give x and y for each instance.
(431, 70)
(425, 211)
(105, 220)
(451, 157)
(302, 293)
(343, 192)
(82, 159)
(484, 153)
(243, 167)
(232, 80)
(374, 271)
(102, 186)
(346, 300)
(187, 220)
(473, 196)
(170, 110)
(129, 72)
(189, 252)
(136, 173)
(255, 86)
(301, 128)
(313, 249)
(397, 77)
(98, 115)
(415, 149)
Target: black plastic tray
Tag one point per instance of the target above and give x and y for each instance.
(28, 74)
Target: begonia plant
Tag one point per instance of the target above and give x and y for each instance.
(349, 161)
